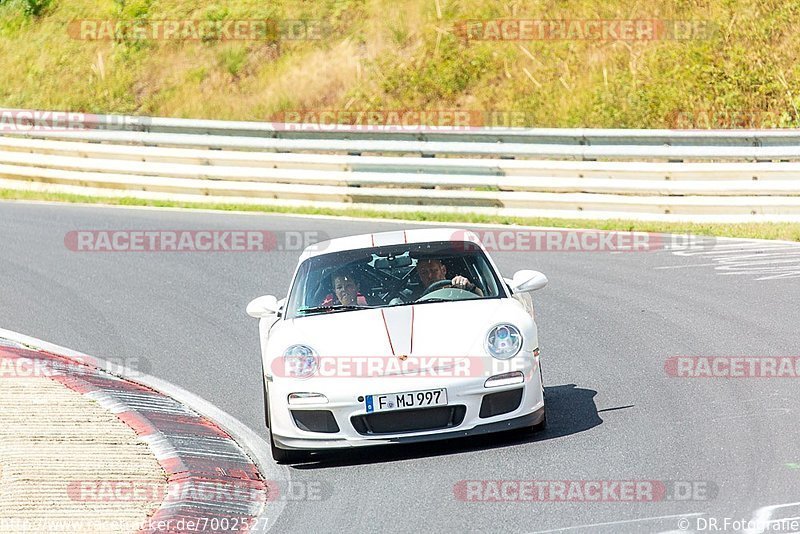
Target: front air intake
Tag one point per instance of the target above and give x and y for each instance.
(500, 403)
(315, 421)
(416, 420)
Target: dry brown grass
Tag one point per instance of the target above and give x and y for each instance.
(405, 55)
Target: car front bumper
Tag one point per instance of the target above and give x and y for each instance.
(343, 404)
(522, 421)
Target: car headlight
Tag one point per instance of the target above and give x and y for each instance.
(300, 361)
(503, 341)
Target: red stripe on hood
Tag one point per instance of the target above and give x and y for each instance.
(388, 335)
(411, 341)
(399, 323)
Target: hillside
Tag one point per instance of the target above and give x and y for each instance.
(735, 66)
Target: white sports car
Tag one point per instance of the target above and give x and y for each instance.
(398, 337)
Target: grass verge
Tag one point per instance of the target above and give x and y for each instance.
(716, 64)
(783, 231)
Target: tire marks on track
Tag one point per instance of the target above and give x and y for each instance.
(760, 260)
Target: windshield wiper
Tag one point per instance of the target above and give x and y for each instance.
(436, 299)
(425, 301)
(334, 307)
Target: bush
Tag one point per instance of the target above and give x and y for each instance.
(35, 8)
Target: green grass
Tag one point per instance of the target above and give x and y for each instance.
(783, 231)
(409, 55)
(395, 55)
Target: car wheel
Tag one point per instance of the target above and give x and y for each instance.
(543, 423)
(266, 401)
(527, 431)
(283, 456)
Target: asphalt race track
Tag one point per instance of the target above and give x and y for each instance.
(608, 323)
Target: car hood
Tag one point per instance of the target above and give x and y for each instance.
(435, 329)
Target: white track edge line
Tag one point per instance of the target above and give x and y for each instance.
(254, 445)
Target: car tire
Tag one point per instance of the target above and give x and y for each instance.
(538, 427)
(266, 401)
(283, 456)
(541, 425)
(526, 431)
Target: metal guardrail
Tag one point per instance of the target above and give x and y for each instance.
(431, 148)
(707, 176)
(556, 136)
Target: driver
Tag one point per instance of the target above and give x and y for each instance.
(431, 271)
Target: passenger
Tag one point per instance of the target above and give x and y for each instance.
(345, 290)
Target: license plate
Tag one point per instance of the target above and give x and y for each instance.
(402, 401)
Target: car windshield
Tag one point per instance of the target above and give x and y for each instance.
(397, 275)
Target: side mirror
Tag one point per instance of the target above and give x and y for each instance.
(525, 281)
(264, 306)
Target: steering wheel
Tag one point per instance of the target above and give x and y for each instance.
(436, 286)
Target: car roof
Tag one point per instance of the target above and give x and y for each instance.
(397, 237)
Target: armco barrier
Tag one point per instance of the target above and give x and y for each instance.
(558, 136)
(639, 174)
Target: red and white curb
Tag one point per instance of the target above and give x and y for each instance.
(219, 471)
